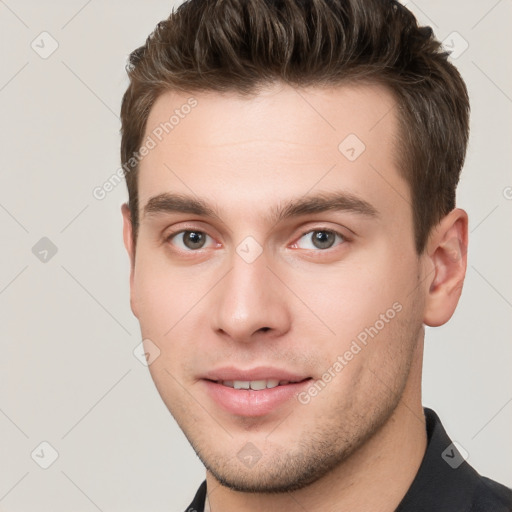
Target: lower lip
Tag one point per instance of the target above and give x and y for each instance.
(251, 403)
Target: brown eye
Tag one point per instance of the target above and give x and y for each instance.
(189, 240)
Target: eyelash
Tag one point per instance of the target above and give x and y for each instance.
(344, 238)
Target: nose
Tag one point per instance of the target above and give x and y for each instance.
(250, 300)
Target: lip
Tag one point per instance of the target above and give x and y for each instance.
(248, 402)
(258, 373)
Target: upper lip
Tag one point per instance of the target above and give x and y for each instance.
(259, 373)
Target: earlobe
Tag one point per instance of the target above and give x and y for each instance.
(447, 252)
(128, 243)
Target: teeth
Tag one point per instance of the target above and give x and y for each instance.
(258, 384)
(255, 385)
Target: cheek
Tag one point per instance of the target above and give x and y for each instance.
(161, 306)
(153, 301)
(169, 299)
(362, 308)
(158, 295)
(348, 299)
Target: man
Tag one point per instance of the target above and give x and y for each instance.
(291, 226)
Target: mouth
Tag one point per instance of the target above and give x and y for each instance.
(253, 393)
(257, 385)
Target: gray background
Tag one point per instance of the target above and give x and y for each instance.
(68, 373)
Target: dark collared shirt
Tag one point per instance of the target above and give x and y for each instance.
(445, 482)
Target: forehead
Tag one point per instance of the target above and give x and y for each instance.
(225, 146)
(278, 109)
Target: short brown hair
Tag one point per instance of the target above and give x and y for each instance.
(241, 46)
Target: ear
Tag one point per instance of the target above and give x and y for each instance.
(446, 252)
(130, 248)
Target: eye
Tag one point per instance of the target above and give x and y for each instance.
(189, 240)
(320, 238)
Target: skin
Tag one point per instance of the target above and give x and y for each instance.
(358, 444)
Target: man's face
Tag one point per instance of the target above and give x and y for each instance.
(247, 295)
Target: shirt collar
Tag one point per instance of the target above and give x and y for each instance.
(444, 481)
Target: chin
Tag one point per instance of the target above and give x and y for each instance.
(280, 471)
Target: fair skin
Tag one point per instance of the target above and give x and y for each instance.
(358, 443)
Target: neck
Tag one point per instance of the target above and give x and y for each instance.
(376, 477)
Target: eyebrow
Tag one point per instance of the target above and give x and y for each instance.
(167, 203)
